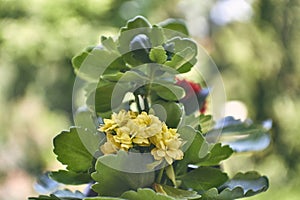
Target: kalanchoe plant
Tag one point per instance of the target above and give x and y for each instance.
(143, 132)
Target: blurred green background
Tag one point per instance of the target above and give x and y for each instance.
(255, 44)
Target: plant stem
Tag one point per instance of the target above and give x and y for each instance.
(146, 104)
(159, 177)
(137, 100)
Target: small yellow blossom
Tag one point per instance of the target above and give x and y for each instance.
(169, 151)
(123, 139)
(110, 146)
(128, 129)
(150, 125)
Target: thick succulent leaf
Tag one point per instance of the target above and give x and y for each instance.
(109, 43)
(136, 22)
(78, 59)
(85, 119)
(183, 43)
(157, 36)
(60, 195)
(158, 55)
(70, 150)
(104, 198)
(145, 194)
(195, 148)
(44, 197)
(112, 77)
(251, 183)
(169, 92)
(206, 123)
(183, 54)
(124, 171)
(134, 42)
(240, 186)
(176, 25)
(203, 178)
(139, 47)
(241, 136)
(108, 96)
(70, 177)
(254, 142)
(68, 194)
(92, 64)
(169, 112)
(181, 58)
(179, 193)
(217, 154)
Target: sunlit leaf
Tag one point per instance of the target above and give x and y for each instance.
(136, 22)
(195, 148)
(116, 174)
(169, 112)
(177, 25)
(203, 178)
(217, 154)
(158, 55)
(169, 92)
(71, 151)
(179, 193)
(241, 185)
(241, 136)
(145, 194)
(71, 178)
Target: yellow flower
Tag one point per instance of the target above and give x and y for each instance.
(126, 129)
(123, 139)
(150, 125)
(117, 120)
(110, 146)
(169, 151)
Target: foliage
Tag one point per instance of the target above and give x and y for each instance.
(145, 62)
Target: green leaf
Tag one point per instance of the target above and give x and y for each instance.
(181, 58)
(103, 198)
(158, 55)
(68, 194)
(177, 25)
(107, 96)
(251, 183)
(206, 123)
(85, 119)
(157, 37)
(216, 155)
(109, 44)
(242, 185)
(171, 174)
(203, 178)
(194, 149)
(71, 178)
(78, 59)
(124, 171)
(136, 22)
(60, 195)
(112, 77)
(44, 197)
(169, 92)
(145, 194)
(92, 64)
(241, 136)
(180, 194)
(71, 151)
(169, 112)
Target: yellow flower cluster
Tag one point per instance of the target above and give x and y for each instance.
(127, 129)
